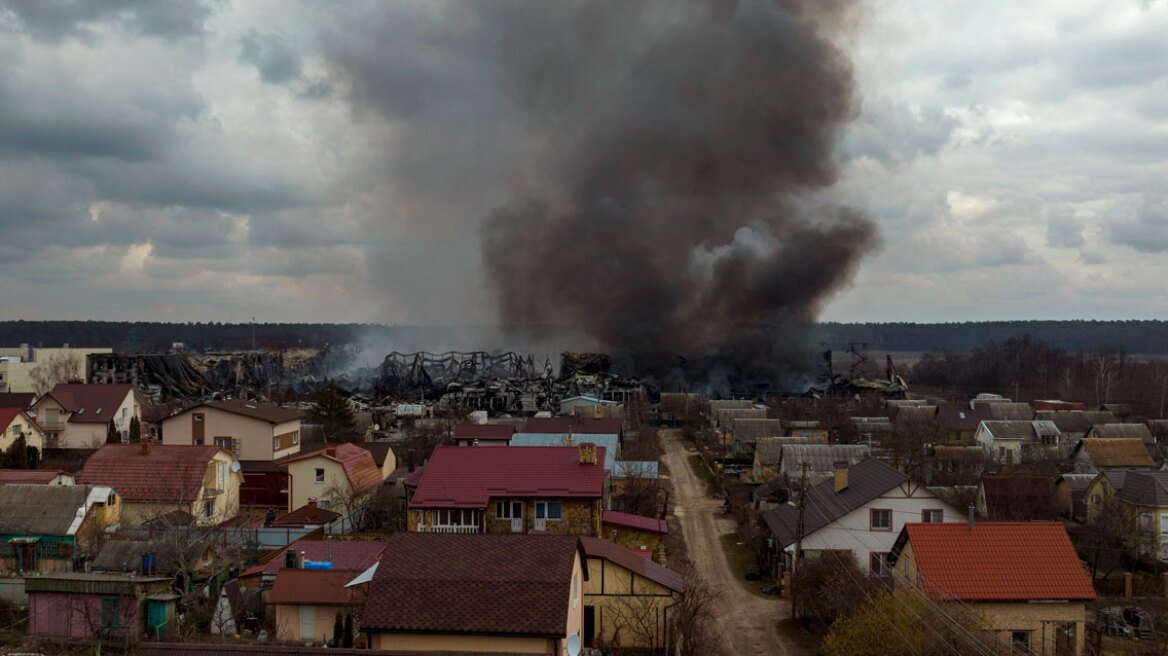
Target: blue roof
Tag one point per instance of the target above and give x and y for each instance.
(610, 442)
(635, 468)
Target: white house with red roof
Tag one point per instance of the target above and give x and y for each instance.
(75, 415)
(338, 477)
(15, 423)
(483, 434)
(1023, 578)
(557, 489)
(155, 480)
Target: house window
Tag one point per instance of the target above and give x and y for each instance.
(932, 516)
(223, 442)
(1001, 452)
(1163, 523)
(222, 472)
(456, 517)
(209, 509)
(549, 510)
(880, 520)
(509, 509)
(877, 563)
(1020, 642)
(319, 475)
(295, 438)
(198, 418)
(1050, 440)
(16, 431)
(275, 444)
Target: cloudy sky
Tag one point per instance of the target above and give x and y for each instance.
(297, 162)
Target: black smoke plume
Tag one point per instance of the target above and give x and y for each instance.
(677, 142)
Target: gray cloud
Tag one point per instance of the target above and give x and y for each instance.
(57, 19)
(275, 56)
(1141, 224)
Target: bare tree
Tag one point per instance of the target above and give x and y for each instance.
(1105, 369)
(61, 368)
(638, 493)
(693, 628)
(635, 620)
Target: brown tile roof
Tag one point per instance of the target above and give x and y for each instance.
(170, 473)
(16, 399)
(996, 561)
(1018, 497)
(1116, 452)
(497, 584)
(30, 476)
(314, 587)
(358, 464)
(638, 522)
(90, 404)
(70, 460)
(634, 562)
(273, 414)
(459, 477)
(306, 515)
(484, 431)
(355, 555)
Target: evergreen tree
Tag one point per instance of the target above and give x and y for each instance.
(17, 455)
(34, 457)
(347, 640)
(338, 630)
(331, 409)
(135, 430)
(111, 433)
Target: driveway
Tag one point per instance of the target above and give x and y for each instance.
(746, 620)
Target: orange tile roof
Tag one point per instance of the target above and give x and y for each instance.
(997, 561)
(358, 463)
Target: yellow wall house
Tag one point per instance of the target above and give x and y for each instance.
(250, 430)
(307, 602)
(553, 489)
(627, 599)
(162, 482)
(1101, 492)
(1145, 496)
(1023, 579)
(76, 416)
(517, 594)
(14, 423)
(46, 528)
(338, 477)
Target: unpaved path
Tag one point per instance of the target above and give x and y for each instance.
(746, 620)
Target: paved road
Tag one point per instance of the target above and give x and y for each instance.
(747, 621)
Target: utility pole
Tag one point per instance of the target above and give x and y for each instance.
(798, 535)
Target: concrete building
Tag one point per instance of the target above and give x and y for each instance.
(18, 364)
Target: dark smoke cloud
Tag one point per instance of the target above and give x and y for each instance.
(642, 167)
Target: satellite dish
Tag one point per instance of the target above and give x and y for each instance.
(235, 466)
(573, 645)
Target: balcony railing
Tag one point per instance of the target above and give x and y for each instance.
(448, 529)
(53, 424)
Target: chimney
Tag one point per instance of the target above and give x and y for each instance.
(412, 459)
(841, 475)
(146, 447)
(311, 506)
(971, 516)
(331, 451)
(587, 453)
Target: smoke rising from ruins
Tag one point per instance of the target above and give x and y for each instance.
(678, 139)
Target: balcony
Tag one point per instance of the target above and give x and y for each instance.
(53, 424)
(447, 529)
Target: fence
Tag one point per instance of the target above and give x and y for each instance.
(262, 537)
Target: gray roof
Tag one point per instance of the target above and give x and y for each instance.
(769, 450)
(1115, 477)
(724, 404)
(126, 555)
(1075, 423)
(820, 458)
(873, 424)
(867, 480)
(1077, 482)
(1146, 488)
(726, 416)
(924, 413)
(610, 442)
(1158, 426)
(1114, 431)
(1027, 431)
(752, 429)
(1011, 411)
(44, 509)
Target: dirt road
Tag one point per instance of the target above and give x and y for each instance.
(747, 621)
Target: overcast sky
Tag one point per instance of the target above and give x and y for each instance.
(227, 159)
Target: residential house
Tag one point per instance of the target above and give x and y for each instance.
(1017, 441)
(1024, 578)
(1095, 453)
(383, 456)
(1145, 495)
(310, 515)
(306, 602)
(576, 426)
(154, 480)
(1074, 424)
(1102, 491)
(957, 464)
(1055, 404)
(14, 424)
(724, 418)
(86, 605)
(1121, 410)
(627, 598)
(488, 593)
(76, 415)
(915, 419)
(558, 489)
(1070, 495)
(589, 406)
(483, 434)
(960, 421)
(859, 512)
(338, 477)
(249, 429)
(873, 431)
(35, 477)
(357, 555)
(1015, 498)
(640, 534)
(768, 455)
(1009, 411)
(1139, 432)
(609, 442)
(809, 429)
(48, 528)
(821, 460)
(193, 558)
(746, 432)
(729, 404)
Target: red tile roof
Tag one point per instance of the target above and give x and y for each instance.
(17, 399)
(638, 561)
(495, 584)
(355, 555)
(91, 404)
(306, 515)
(582, 425)
(169, 473)
(484, 431)
(997, 561)
(649, 524)
(359, 466)
(8, 415)
(306, 586)
(30, 476)
(468, 478)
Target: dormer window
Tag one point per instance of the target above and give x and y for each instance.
(80, 411)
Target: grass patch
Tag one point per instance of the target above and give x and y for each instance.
(700, 469)
(739, 557)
